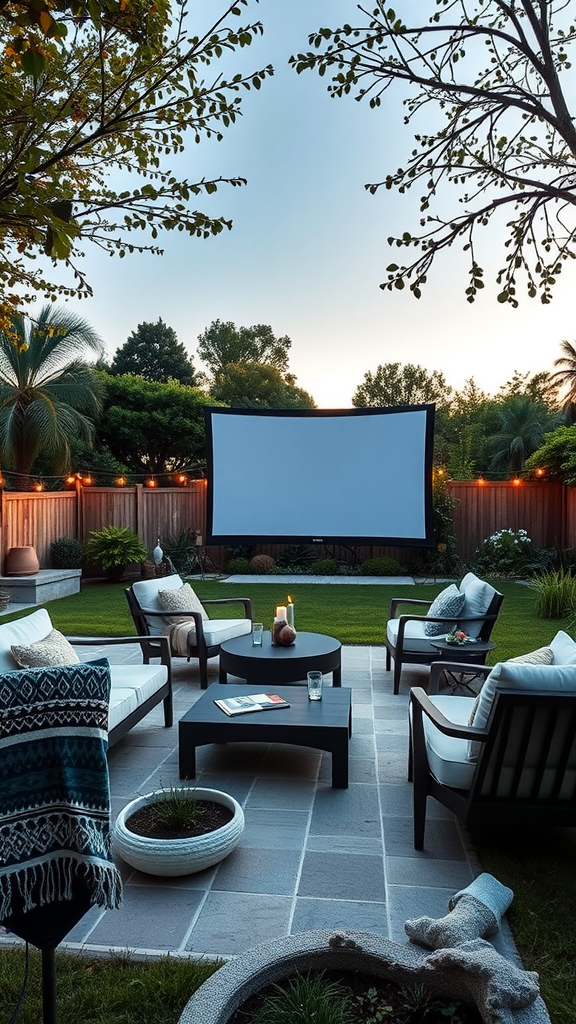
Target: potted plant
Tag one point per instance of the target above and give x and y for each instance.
(113, 549)
(178, 831)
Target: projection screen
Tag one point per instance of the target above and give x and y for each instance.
(355, 476)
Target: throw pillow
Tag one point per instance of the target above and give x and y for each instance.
(53, 650)
(183, 599)
(542, 656)
(477, 598)
(449, 604)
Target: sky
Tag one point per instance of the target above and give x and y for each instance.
(308, 248)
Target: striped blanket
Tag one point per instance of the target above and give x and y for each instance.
(54, 791)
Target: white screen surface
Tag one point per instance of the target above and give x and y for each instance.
(355, 475)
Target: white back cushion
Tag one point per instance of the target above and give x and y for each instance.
(563, 649)
(27, 630)
(477, 597)
(146, 593)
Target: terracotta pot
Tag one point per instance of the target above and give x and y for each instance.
(22, 561)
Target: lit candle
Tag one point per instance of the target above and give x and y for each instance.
(290, 612)
(281, 613)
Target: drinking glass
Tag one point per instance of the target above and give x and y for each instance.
(314, 685)
(257, 629)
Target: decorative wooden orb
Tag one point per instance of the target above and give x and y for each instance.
(283, 635)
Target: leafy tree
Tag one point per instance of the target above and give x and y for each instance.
(506, 140)
(224, 343)
(461, 430)
(110, 102)
(566, 378)
(48, 392)
(397, 384)
(558, 454)
(520, 429)
(154, 353)
(152, 427)
(258, 386)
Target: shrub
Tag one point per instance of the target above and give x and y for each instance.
(555, 594)
(296, 557)
(505, 553)
(238, 566)
(66, 553)
(261, 564)
(181, 550)
(326, 567)
(114, 548)
(382, 566)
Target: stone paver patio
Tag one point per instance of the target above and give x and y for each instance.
(311, 857)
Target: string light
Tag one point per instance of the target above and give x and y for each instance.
(540, 471)
(181, 478)
(120, 481)
(151, 482)
(516, 481)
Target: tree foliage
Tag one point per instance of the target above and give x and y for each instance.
(258, 386)
(398, 384)
(48, 391)
(566, 378)
(557, 454)
(153, 352)
(489, 72)
(224, 343)
(152, 427)
(521, 424)
(110, 102)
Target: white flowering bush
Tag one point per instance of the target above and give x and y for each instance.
(506, 553)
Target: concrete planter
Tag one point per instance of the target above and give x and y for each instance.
(172, 857)
(219, 997)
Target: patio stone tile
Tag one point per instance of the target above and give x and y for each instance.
(251, 869)
(245, 758)
(280, 829)
(355, 810)
(167, 910)
(362, 769)
(231, 922)
(361, 746)
(428, 872)
(396, 801)
(339, 915)
(285, 793)
(361, 726)
(389, 741)
(345, 843)
(291, 762)
(442, 839)
(338, 876)
(393, 765)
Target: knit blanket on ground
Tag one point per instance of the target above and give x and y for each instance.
(54, 788)
(178, 633)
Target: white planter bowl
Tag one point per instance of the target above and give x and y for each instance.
(169, 857)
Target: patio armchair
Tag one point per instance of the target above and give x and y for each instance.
(409, 636)
(506, 757)
(202, 634)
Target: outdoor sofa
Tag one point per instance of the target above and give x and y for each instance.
(135, 689)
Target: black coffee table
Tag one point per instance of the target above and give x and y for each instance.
(272, 666)
(323, 724)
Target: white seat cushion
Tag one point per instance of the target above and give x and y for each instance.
(415, 639)
(216, 631)
(26, 630)
(477, 597)
(131, 685)
(448, 756)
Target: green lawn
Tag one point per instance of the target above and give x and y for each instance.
(539, 866)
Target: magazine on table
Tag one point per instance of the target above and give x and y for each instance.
(251, 702)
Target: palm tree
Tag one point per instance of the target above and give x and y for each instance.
(566, 377)
(48, 392)
(522, 423)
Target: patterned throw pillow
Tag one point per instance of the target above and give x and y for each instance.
(449, 603)
(181, 599)
(53, 650)
(542, 656)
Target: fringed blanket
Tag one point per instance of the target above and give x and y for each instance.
(54, 791)
(178, 633)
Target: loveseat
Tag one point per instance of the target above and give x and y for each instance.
(135, 688)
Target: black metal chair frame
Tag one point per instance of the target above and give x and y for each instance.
(200, 650)
(538, 725)
(403, 657)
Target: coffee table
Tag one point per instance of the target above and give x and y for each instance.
(273, 665)
(323, 724)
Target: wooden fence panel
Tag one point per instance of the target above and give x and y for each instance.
(107, 506)
(37, 520)
(481, 509)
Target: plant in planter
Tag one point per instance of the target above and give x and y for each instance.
(178, 831)
(113, 549)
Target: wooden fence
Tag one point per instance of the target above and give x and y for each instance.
(546, 510)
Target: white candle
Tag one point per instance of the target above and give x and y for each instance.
(281, 612)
